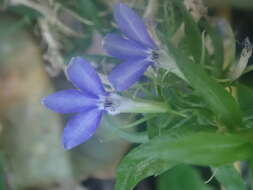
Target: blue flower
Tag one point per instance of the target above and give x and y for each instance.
(90, 101)
(135, 47)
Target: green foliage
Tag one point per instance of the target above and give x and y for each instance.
(192, 42)
(170, 18)
(217, 43)
(157, 125)
(208, 105)
(208, 124)
(245, 95)
(113, 124)
(181, 177)
(25, 11)
(90, 9)
(164, 152)
(229, 177)
(220, 101)
(222, 104)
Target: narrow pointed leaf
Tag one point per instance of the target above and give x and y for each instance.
(220, 101)
(229, 177)
(164, 152)
(90, 10)
(191, 42)
(181, 177)
(193, 37)
(217, 43)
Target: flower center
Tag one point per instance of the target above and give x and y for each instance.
(109, 103)
(154, 55)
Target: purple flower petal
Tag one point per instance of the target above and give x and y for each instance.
(69, 101)
(132, 25)
(84, 76)
(127, 73)
(81, 127)
(121, 48)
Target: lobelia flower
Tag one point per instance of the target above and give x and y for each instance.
(135, 47)
(90, 101)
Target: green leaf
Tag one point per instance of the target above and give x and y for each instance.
(155, 125)
(170, 18)
(173, 15)
(192, 38)
(164, 152)
(192, 42)
(114, 123)
(245, 97)
(89, 9)
(25, 11)
(229, 178)
(220, 101)
(175, 126)
(217, 43)
(181, 177)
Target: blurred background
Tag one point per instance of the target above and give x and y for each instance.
(37, 39)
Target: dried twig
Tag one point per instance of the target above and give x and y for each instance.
(151, 9)
(50, 15)
(73, 14)
(196, 8)
(52, 55)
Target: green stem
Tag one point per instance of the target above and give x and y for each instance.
(131, 106)
(143, 107)
(127, 105)
(137, 122)
(134, 137)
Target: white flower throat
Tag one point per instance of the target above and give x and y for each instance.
(110, 103)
